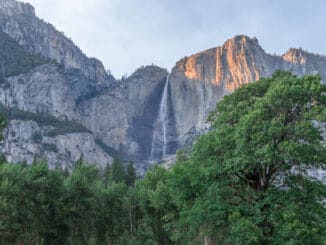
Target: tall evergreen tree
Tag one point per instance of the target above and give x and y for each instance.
(131, 175)
(118, 172)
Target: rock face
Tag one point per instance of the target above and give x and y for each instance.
(200, 80)
(123, 116)
(44, 121)
(70, 107)
(27, 141)
(19, 21)
(42, 105)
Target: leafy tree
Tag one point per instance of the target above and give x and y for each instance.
(43, 191)
(155, 203)
(31, 206)
(251, 171)
(116, 212)
(12, 205)
(81, 201)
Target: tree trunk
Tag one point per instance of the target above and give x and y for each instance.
(130, 215)
(207, 240)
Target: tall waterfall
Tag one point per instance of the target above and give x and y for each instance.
(159, 140)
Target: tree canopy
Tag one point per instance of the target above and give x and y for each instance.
(248, 180)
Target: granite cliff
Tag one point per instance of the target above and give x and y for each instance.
(199, 81)
(68, 107)
(19, 21)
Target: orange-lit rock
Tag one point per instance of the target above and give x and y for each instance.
(191, 68)
(295, 56)
(228, 65)
(200, 80)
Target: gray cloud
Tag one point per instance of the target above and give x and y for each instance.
(126, 34)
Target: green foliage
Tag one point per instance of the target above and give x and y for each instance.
(40, 206)
(155, 201)
(118, 172)
(14, 60)
(31, 204)
(247, 181)
(244, 182)
(131, 175)
(82, 200)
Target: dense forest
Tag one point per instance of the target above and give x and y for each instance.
(244, 182)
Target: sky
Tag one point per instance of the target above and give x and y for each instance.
(127, 34)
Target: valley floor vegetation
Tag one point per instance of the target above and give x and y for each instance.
(244, 182)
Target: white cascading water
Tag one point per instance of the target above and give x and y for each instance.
(159, 141)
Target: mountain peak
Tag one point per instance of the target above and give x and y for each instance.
(13, 7)
(241, 40)
(229, 65)
(19, 21)
(241, 44)
(295, 56)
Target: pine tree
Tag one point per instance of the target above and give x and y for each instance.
(118, 173)
(131, 174)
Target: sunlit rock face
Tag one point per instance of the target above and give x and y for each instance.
(240, 60)
(295, 56)
(200, 80)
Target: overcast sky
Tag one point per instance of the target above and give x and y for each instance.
(126, 34)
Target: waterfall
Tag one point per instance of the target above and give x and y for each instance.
(164, 115)
(159, 140)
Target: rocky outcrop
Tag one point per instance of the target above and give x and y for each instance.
(27, 141)
(123, 116)
(239, 60)
(143, 91)
(302, 62)
(43, 90)
(19, 21)
(44, 121)
(42, 105)
(200, 80)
